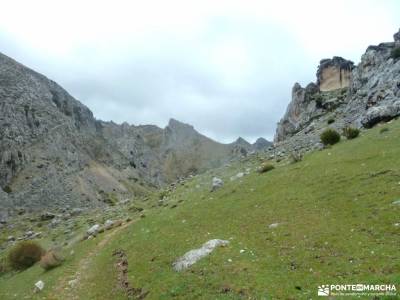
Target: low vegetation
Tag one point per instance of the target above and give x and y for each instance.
(395, 54)
(351, 132)
(330, 137)
(25, 254)
(383, 130)
(330, 121)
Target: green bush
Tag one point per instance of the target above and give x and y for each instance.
(330, 137)
(395, 54)
(331, 120)
(25, 254)
(4, 266)
(351, 132)
(318, 100)
(265, 167)
(7, 189)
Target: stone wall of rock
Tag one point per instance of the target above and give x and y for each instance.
(373, 95)
(333, 74)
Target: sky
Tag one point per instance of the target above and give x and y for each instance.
(225, 67)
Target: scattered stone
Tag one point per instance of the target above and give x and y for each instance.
(39, 286)
(191, 257)
(93, 230)
(76, 211)
(72, 283)
(10, 238)
(273, 225)
(216, 183)
(47, 216)
(237, 176)
(108, 225)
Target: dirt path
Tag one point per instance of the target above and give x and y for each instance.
(68, 286)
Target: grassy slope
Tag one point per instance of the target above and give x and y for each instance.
(337, 226)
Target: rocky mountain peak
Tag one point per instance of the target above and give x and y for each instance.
(261, 143)
(177, 126)
(242, 141)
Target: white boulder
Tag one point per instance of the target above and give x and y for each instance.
(193, 256)
(93, 230)
(39, 285)
(216, 183)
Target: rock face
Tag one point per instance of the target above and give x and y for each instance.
(372, 96)
(334, 73)
(54, 153)
(300, 111)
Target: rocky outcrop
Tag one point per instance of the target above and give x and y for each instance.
(300, 111)
(334, 73)
(372, 96)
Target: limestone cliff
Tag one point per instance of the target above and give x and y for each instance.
(333, 74)
(344, 95)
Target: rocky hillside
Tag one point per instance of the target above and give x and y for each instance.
(344, 95)
(54, 153)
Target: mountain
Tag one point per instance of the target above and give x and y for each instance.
(54, 153)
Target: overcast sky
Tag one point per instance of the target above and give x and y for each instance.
(226, 67)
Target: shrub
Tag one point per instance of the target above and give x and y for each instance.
(384, 129)
(7, 189)
(296, 156)
(318, 100)
(25, 254)
(395, 54)
(51, 259)
(331, 120)
(330, 137)
(4, 266)
(265, 167)
(351, 132)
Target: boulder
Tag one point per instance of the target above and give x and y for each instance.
(39, 286)
(216, 183)
(93, 230)
(237, 176)
(47, 216)
(108, 224)
(191, 257)
(76, 211)
(380, 113)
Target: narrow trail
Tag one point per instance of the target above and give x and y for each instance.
(65, 290)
